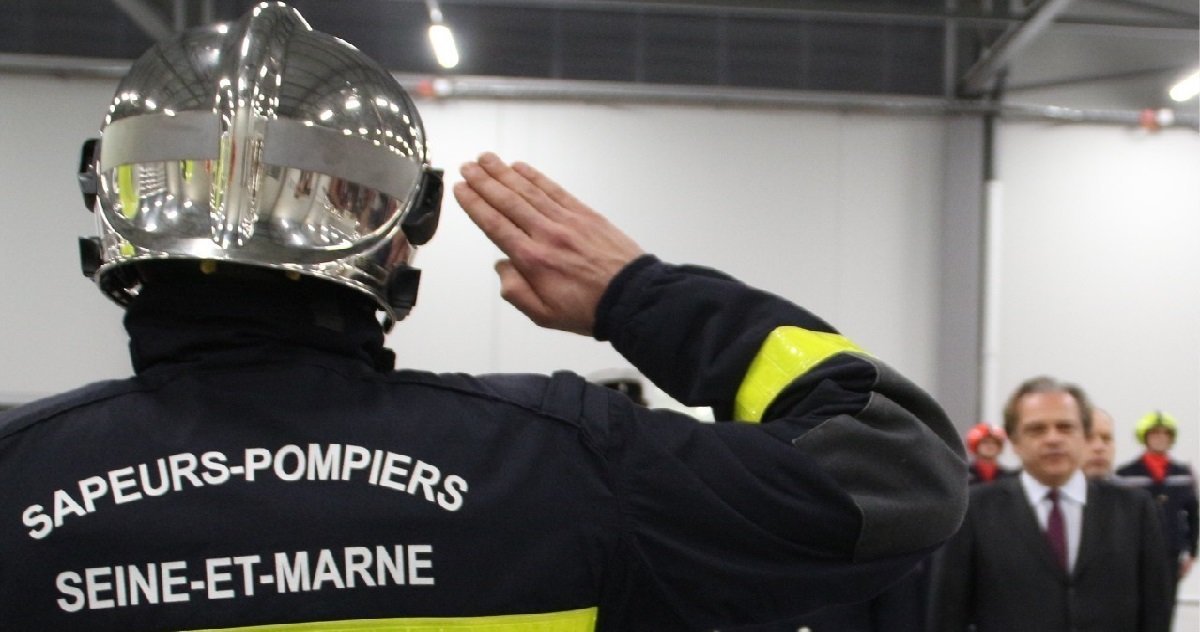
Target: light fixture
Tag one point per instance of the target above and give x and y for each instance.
(441, 37)
(1186, 88)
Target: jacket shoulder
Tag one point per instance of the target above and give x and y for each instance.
(1178, 467)
(564, 395)
(22, 417)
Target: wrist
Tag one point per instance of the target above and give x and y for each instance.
(609, 312)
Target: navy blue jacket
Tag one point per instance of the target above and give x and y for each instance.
(1176, 496)
(266, 466)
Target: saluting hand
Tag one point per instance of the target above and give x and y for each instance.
(561, 254)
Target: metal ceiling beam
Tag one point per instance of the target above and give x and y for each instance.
(1011, 43)
(1149, 7)
(1172, 28)
(615, 92)
(950, 53)
(820, 9)
(494, 88)
(724, 7)
(1125, 29)
(1114, 76)
(147, 18)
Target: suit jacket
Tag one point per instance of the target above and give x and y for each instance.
(999, 574)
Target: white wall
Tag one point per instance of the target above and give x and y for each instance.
(56, 330)
(1099, 281)
(838, 212)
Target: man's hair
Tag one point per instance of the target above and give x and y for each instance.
(1046, 384)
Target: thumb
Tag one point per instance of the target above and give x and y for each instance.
(515, 289)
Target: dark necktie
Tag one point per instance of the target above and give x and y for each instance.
(1056, 531)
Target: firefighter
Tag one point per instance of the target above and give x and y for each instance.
(1170, 482)
(261, 189)
(985, 442)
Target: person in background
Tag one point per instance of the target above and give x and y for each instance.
(261, 190)
(1101, 449)
(1048, 550)
(1172, 485)
(985, 442)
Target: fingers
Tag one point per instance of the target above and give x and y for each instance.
(506, 205)
(512, 178)
(502, 196)
(512, 194)
(561, 254)
(549, 187)
(494, 224)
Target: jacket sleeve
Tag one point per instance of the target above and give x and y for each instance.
(838, 477)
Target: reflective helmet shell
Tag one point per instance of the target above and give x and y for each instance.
(262, 143)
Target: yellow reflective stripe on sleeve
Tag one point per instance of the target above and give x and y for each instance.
(786, 354)
(567, 621)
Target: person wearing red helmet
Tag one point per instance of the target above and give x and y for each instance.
(985, 442)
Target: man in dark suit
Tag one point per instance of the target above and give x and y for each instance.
(1049, 551)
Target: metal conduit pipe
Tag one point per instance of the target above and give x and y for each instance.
(498, 88)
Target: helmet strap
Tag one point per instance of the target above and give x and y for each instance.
(402, 292)
(421, 221)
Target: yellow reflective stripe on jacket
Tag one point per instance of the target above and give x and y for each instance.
(567, 621)
(786, 354)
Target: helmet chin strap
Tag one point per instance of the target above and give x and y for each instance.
(90, 256)
(421, 221)
(419, 225)
(402, 293)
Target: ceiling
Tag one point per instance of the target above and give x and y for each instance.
(1110, 55)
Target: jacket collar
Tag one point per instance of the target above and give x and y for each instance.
(194, 319)
(1075, 489)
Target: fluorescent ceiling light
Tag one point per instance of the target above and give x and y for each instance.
(1187, 88)
(443, 45)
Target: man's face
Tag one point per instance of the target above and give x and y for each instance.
(1159, 439)
(1100, 447)
(1049, 439)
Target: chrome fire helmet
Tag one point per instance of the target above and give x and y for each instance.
(262, 143)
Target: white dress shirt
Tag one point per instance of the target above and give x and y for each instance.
(1071, 498)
